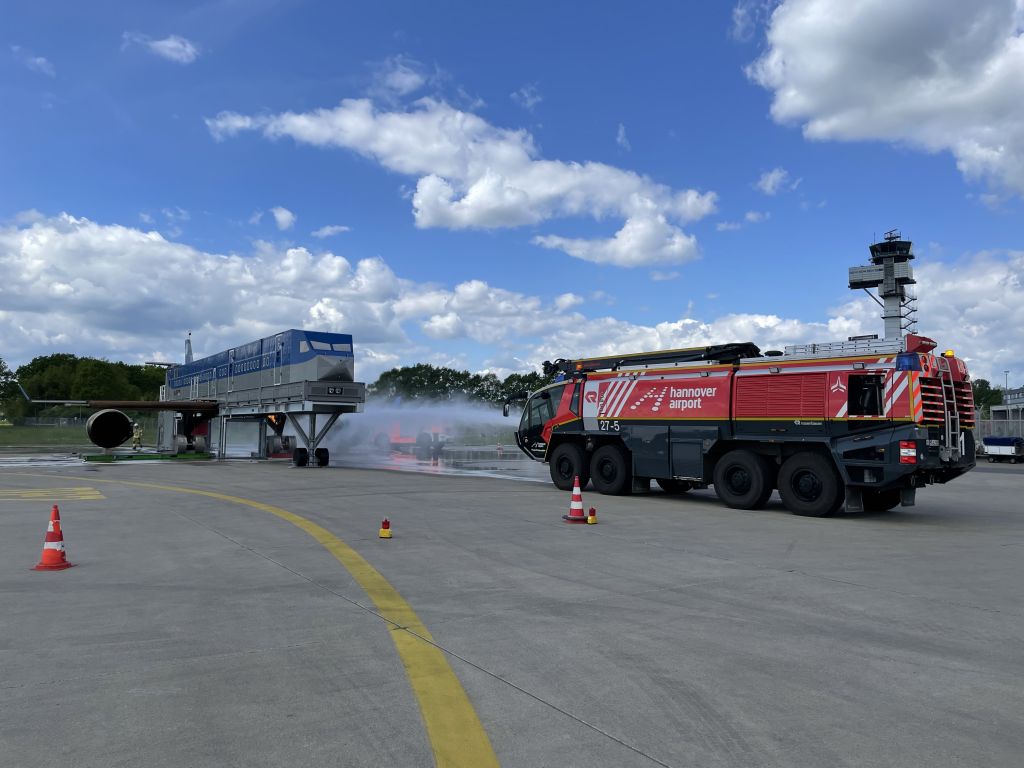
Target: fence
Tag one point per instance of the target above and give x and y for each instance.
(51, 421)
(999, 428)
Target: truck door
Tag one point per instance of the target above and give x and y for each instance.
(539, 410)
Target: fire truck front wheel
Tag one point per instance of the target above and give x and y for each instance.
(567, 463)
(742, 480)
(610, 470)
(810, 486)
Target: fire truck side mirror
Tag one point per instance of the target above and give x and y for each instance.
(516, 397)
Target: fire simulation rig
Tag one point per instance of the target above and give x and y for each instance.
(865, 422)
(238, 401)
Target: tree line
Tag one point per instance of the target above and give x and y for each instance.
(65, 376)
(424, 382)
(68, 377)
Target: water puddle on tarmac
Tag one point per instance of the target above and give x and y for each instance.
(39, 460)
(506, 462)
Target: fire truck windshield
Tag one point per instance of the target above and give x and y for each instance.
(540, 409)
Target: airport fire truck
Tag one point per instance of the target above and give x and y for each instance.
(866, 421)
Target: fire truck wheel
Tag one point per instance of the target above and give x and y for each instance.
(566, 465)
(674, 486)
(610, 471)
(300, 457)
(810, 486)
(880, 501)
(742, 480)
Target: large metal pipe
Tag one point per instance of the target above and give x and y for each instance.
(108, 428)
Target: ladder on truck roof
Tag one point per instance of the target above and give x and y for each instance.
(718, 353)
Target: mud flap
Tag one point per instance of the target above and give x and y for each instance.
(907, 496)
(641, 485)
(854, 499)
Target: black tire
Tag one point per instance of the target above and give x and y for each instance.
(991, 460)
(674, 486)
(810, 486)
(743, 480)
(567, 463)
(610, 471)
(300, 457)
(880, 501)
(323, 457)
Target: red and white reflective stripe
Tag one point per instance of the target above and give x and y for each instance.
(58, 545)
(621, 396)
(615, 405)
(916, 404)
(610, 391)
(842, 410)
(886, 394)
(904, 381)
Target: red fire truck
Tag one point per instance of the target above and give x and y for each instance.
(865, 421)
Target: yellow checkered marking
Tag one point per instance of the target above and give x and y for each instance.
(51, 494)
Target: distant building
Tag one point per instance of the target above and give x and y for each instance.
(1012, 408)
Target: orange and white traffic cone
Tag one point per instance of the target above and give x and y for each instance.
(576, 505)
(385, 529)
(53, 557)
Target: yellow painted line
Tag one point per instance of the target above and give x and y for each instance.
(456, 735)
(50, 494)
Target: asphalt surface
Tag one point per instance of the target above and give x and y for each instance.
(677, 632)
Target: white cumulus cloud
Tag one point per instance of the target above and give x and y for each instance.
(330, 230)
(472, 174)
(284, 218)
(173, 47)
(771, 181)
(527, 97)
(622, 140)
(398, 76)
(74, 285)
(939, 75)
(39, 64)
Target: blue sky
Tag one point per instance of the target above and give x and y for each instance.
(502, 184)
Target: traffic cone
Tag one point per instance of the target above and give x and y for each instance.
(592, 516)
(53, 557)
(385, 529)
(576, 505)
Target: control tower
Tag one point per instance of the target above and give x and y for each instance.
(891, 273)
